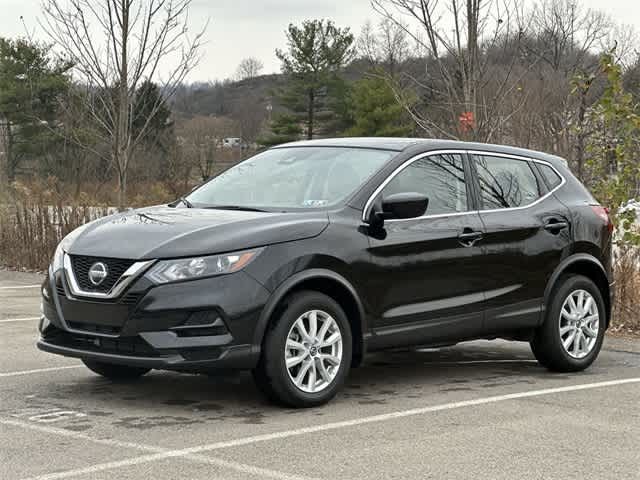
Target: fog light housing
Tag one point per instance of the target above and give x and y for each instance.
(201, 324)
(44, 324)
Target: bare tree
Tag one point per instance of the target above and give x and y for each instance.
(200, 139)
(116, 45)
(249, 68)
(4, 149)
(463, 39)
(386, 46)
(566, 33)
(564, 37)
(250, 114)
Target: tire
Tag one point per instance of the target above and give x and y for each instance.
(582, 348)
(276, 380)
(115, 372)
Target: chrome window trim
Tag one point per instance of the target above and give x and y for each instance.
(408, 162)
(133, 272)
(435, 215)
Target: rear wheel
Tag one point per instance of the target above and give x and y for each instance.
(115, 372)
(572, 334)
(306, 352)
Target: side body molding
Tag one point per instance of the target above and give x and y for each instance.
(290, 284)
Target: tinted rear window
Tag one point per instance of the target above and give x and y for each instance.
(505, 182)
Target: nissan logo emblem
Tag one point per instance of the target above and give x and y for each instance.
(97, 273)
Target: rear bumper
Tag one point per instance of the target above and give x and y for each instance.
(199, 325)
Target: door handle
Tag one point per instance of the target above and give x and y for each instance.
(468, 237)
(554, 225)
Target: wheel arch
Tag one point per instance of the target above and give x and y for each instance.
(589, 266)
(331, 284)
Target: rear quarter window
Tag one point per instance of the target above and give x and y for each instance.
(550, 175)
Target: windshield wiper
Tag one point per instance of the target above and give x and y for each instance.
(235, 207)
(183, 200)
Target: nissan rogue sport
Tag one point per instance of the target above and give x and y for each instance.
(298, 261)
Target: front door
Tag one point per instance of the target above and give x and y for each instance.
(426, 282)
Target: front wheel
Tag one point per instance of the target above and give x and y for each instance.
(113, 371)
(306, 353)
(572, 334)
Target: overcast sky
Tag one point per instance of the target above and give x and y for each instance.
(242, 28)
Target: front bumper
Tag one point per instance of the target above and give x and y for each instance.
(197, 325)
(229, 357)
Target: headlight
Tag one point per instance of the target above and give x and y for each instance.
(58, 258)
(189, 268)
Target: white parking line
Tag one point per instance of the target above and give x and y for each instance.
(189, 452)
(38, 370)
(13, 287)
(155, 453)
(24, 319)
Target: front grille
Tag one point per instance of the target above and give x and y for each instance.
(115, 268)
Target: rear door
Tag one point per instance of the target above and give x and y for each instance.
(425, 282)
(527, 232)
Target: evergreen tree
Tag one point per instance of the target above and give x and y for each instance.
(316, 52)
(284, 128)
(30, 88)
(376, 111)
(151, 114)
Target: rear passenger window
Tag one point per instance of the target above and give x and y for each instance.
(505, 182)
(550, 175)
(439, 177)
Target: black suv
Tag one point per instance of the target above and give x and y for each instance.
(298, 261)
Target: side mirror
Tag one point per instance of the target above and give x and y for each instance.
(405, 205)
(398, 205)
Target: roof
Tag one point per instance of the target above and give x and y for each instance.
(424, 144)
(384, 143)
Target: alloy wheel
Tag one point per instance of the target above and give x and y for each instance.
(313, 352)
(579, 323)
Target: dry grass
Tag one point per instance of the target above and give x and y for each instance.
(626, 311)
(35, 217)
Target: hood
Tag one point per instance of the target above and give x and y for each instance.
(166, 232)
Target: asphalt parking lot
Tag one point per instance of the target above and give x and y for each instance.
(482, 410)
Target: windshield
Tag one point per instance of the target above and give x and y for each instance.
(297, 177)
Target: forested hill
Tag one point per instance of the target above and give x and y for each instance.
(225, 98)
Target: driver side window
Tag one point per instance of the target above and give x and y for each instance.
(439, 177)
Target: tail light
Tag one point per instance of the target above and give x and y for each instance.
(603, 213)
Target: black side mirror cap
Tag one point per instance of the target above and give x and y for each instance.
(404, 205)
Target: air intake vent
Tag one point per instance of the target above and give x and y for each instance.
(131, 298)
(93, 328)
